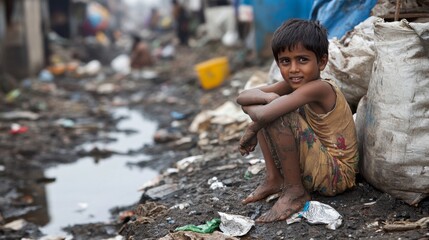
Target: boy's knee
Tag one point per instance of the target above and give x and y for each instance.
(278, 125)
(285, 121)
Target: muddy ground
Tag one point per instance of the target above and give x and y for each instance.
(48, 142)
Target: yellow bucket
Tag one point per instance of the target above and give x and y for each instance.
(213, 72)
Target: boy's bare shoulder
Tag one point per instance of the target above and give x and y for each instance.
(318, 86)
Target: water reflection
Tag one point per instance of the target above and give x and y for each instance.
(85, 191)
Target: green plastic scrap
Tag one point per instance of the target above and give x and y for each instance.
(248, 175)
(209, 227)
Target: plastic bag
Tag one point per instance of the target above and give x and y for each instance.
(209, 227)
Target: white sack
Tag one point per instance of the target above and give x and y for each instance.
(393, 124)
(219, 21)
(350, 60)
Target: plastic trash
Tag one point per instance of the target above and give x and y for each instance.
(66, 123)
(92, 68)
(12, 95)
(178, 115)
(161, 191)
(46, 76)
(16, 128)
(230, 38)
(216, 235)
(16, 225)
(16, 115)
(209, 227)
(235, 225)
(168, 51)
(215, 183)
(318, 213)
(121, 64)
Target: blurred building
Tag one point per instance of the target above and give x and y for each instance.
(27, 27)
(21, 36)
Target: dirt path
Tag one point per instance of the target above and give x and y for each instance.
(364, 210)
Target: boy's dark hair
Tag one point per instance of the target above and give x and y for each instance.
(311, 34)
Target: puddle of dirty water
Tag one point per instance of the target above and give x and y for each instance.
(83, 192)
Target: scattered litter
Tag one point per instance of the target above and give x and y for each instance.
(46, 76)
(66, 123)
(259, 78)
(214, 199)
(208, 227)
(169, 171)
(148, 74)
(182, 235)
(375, 224)
(12, 95)
(146, 213)
(256, 161)
(16, 128)
(256, 168)
(370, 203)
(184, 163)
(406, 225)
(235, 225)
(256, 212)
(170, 220)
(226, 167)
(160, 192)
(318, 213)
(121, 64)
(17, 224)
(106, 88)
(181, 206)
(248, 175)
(124, 215)
(16, 115)
(165, 135)
(168, 51)
(224, 115)
(92, 68)
(178, 115)
(215, 183)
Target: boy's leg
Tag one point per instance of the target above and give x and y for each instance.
(281, 140)
(273, 179)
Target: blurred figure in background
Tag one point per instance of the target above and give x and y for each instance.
(153, 20)
(141, 55)
(181, 23)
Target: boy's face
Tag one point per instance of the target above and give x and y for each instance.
(300, 66)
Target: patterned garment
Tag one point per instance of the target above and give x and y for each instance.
(328, 146)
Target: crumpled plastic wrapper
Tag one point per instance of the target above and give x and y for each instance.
(235, 225)
(318, 213)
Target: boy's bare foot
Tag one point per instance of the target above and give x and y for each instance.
(262, 191)
(291, 201)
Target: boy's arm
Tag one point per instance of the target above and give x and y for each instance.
(311, 92)
(255, 97)
(262, 95)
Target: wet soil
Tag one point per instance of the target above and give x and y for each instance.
(365, 210)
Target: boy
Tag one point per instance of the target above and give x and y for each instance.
(303, 125)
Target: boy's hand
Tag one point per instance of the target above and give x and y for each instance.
(248, 142)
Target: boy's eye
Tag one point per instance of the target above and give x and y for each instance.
(302, 59)
(284, 60)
